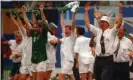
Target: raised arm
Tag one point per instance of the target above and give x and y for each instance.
(16, 23)
(21, 25)
(97, 15)
(73, 22)
(86, 17)
(19, 21)
(120, 16)
(25, 17)
(41, 7)
(13, 19)
(34, 21)
(62, 22)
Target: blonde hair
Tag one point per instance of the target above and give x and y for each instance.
(17, 33)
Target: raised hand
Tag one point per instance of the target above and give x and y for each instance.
(41, 7)
(120, 6)
(97, 14)
(75, 12)
(61, 12)
(116, 20)
(87, 7)
(23, 8)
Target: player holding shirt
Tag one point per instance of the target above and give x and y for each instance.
(67, 45)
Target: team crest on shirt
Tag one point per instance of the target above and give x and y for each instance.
(34, 39)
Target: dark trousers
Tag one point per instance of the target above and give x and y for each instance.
(131, 67)
(15, 69)
(76, 74)
(121, 71)
(76, 71)
(103, 68)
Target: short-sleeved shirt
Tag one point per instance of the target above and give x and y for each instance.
(109, 37)
(16, 48)
(82, 48)
(124, 49)
(12, 44)
(67, 47)
(39, 42)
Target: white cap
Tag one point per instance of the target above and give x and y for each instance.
(105, 18)
(131, 34)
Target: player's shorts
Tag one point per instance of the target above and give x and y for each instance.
(85, 68)
(50, 66)
(33, 67)
(66, 67)
(41, 67)
(15, 69)
(25, 69)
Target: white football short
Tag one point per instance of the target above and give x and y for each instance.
(85, 68)
(41, 67)
(25, 69)
(50, 66)
(66, 67)
(33, 67)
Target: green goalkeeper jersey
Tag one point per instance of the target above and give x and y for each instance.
(39, 45)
